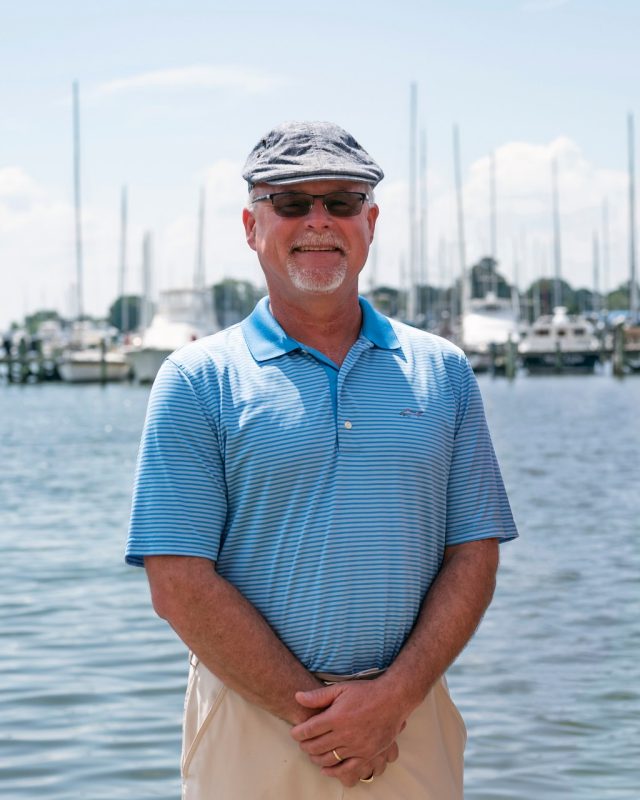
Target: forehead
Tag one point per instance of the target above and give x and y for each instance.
(311, 187)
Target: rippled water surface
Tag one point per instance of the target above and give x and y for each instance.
(92, 683)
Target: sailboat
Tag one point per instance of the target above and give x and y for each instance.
(89, 357)
(559, 342)
(182, 316)
(489, 325)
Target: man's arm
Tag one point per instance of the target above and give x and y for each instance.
(234, 641)
(363, 717)
(228, 634)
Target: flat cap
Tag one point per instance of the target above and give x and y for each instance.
(309, 151)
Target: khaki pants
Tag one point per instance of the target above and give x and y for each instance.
(233, 750)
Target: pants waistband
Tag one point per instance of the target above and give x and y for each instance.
(365, 675)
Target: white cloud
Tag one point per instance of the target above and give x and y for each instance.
(37, 255)
(198, 77)
(524, 215)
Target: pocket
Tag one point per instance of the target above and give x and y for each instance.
(205, 693)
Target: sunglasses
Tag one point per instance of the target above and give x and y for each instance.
(299, 204)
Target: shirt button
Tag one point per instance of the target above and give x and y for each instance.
(348, 425)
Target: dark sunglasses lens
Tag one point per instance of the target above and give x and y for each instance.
(292, 204)
(343, 204)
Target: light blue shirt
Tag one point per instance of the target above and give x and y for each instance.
(326, 495)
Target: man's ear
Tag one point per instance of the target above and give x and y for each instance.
(249, 222)
(372, 216)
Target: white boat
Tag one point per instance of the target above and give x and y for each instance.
(90, 357)
(183, 316)
(487, 328)
(93, 366)
(560, 342)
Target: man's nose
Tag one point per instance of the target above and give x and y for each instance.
(318, 215)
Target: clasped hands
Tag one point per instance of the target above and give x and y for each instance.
(355, 721)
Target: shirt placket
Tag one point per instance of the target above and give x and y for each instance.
(347, 433)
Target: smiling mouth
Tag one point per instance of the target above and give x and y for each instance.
(317, 249)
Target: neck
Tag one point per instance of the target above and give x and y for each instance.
(324, 323)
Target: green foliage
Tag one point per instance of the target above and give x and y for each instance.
(486, 278)
(233, 300)
(619, 298)
(32, 321)
(124, 313)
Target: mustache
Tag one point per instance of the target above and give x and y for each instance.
(321, 241)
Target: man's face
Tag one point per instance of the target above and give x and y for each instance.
(315, 254)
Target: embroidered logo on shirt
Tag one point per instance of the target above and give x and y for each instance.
(410, 412)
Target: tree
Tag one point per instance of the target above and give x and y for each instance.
(544, 288)
(620, 298)
(32, 321)
(124, 312)
(486, 278)
(233, 300)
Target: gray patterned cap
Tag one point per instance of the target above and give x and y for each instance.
(309, 151)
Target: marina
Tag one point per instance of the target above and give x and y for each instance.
(508, 225)
(93, 682)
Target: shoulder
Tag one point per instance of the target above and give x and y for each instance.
(203, 360)
(425, 344)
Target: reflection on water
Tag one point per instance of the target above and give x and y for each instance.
(92, 685)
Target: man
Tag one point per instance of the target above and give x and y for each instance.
(318, 508)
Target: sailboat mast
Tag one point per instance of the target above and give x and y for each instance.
(461, 238)
(146, 280)
(557, 245)
(494, 224)
(199, 276)
(413, 116)
(124, 306)
(633, 288)
(77, 201)
(595, 304)
(605, 252)
(424, 231)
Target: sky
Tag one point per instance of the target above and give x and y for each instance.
(173, 96)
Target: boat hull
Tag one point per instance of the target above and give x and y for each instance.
(146, 362)
(77, 371)
(559, 362)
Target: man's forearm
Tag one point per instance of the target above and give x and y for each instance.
(450, 614)
(364, 717)
(228, 634)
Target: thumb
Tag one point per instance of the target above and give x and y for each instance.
(318, 698)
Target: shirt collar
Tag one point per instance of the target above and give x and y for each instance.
(266, 339)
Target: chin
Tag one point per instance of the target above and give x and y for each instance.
(317, 281)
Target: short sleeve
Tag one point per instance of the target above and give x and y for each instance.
(179, 499)
(477, 503)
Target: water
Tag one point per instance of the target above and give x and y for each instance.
(92, 683)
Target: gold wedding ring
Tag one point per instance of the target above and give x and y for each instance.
(367, 780)
(336, 756)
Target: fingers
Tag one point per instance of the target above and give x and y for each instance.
(318, 698)
(319, 745)
(392, 753)
(350, 771)
(326, 760)
(312, 728)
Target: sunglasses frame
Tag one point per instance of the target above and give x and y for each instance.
(362, 195)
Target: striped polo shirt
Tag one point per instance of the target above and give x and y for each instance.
(326, 495)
